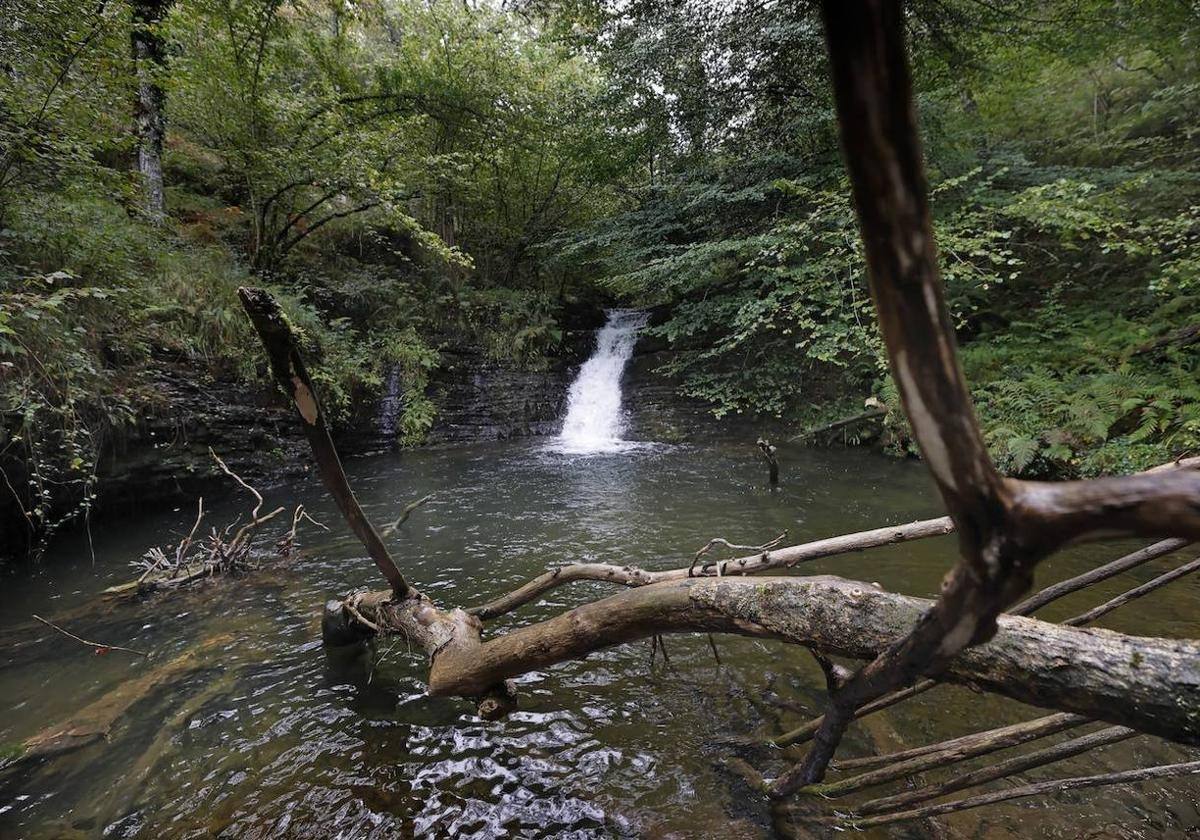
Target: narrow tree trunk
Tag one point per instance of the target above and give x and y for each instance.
(150, 121)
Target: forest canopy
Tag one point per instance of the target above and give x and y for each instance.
(407, 175)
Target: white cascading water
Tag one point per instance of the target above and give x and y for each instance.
(594, 420)
(392, 404)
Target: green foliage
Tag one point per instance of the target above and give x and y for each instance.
(407, 174)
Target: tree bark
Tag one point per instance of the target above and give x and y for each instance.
(764, 561)
(290, 372)
(1152, 685)
(150, 121)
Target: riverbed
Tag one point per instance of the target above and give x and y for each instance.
(276, 737)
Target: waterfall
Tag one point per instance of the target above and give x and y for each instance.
(594, 420)
(392, 404)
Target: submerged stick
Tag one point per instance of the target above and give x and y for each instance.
(1004, 736)
(1133, 594)
(100, 647)
(1101, 573)
(1164, 771)
(1017, 764)
(951, 752)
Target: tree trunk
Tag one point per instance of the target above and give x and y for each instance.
(150, 121)
(1152, 685)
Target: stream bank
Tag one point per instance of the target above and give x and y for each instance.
(162, 461)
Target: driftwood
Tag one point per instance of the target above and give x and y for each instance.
(392, 527)
(1018, 764)
(766, 560)
(1166, 771)
(1150, 684)
(98, 647)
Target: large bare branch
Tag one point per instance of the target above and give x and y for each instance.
(1152, 685)
(280, 343)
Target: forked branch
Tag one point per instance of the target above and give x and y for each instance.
(1005, 527)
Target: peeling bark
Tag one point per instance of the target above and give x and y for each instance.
(1152, 685)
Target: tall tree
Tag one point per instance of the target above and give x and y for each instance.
(149, 115)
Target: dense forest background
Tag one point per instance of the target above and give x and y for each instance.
(403, 174)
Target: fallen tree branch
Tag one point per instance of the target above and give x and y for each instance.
(100, 647)
(802, 734)
(292, 376)
(95, 721)
(1152, 685)
(1017, 764)
(1001, 738)
(869, 414)
(715, 541)
(1145, 774)
(391, 527)
(1101, 573)
(780, 558)
(1133, 594)
(950, 752)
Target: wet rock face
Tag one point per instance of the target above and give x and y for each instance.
(481, 400)
(655, 409)
(164, 459)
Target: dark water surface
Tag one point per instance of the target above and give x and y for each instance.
(276, 738)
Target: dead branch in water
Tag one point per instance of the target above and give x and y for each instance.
(292, 376)
(752, 564)
(99, 647)
(1003, 770)
(1145, 774)
(768, 453)
(392, 527)
(845, 422)
(1052, 593)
